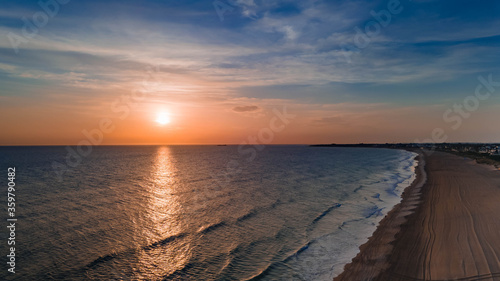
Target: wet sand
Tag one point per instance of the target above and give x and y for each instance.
(447, 227)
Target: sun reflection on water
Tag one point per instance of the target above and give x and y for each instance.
(168, 249)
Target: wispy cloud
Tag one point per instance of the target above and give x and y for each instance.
(292, 51)
(246, 108)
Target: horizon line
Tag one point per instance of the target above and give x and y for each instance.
(253, 144)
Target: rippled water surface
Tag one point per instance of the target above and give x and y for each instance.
(198, 212)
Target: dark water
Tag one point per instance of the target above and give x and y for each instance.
(196, 212)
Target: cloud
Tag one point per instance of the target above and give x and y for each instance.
(330, 120)
(246, 108)
(293, 48)
(289, 32)
(248, 8)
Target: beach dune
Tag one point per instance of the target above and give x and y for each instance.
(447, 228)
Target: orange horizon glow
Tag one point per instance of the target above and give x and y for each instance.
(195, 124)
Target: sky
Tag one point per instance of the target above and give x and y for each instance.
(248, 71)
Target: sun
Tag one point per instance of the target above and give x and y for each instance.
(162, 118)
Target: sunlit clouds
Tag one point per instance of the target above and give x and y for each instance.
(170, 72)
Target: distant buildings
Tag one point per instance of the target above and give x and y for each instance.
(486, 149)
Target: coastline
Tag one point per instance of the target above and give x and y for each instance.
(445, 227)
(372, 257)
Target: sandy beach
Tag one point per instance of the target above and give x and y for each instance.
(447, 227)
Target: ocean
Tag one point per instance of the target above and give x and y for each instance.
(195, 212)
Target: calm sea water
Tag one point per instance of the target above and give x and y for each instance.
(197, 212)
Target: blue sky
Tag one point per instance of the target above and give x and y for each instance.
(427, 57)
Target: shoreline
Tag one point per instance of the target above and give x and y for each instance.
(371, 259)
(445, 227)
